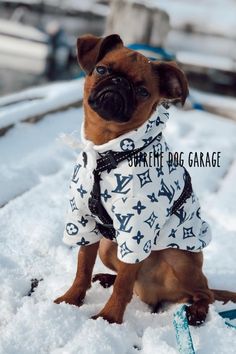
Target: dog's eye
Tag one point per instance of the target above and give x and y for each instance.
(142, 91)
(101, 70)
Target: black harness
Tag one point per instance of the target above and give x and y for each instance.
(109, 162)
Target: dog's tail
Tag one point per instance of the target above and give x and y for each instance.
(224, 295)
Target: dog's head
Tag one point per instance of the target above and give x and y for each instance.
(122, 86)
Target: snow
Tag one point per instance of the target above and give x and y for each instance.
(37, 154)
(206, 61)
(220, 103)
(28, 32)
(35, 168)
(42, 99)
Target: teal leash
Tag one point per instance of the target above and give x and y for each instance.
(230, 315)
(182, 331)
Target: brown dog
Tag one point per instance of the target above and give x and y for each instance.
(167, 275)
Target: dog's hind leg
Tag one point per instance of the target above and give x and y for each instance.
(188, 270)
(108, 254)
(194, 285)
(196, 313)
(175, 276)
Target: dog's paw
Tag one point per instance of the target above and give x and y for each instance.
(108, 317)
(72, 297)
(106, 280)
(196, 315)
(69, 300)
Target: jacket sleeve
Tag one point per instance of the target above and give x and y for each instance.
(80, 227)
(137, 224)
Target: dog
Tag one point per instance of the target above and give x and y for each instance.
(145, 223)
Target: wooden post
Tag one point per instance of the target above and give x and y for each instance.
(137, 23)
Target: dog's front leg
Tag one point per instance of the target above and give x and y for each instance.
(82, 282)
(122, 293)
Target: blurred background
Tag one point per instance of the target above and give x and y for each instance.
(37, 38)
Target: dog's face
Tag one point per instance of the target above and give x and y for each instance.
(122, 86)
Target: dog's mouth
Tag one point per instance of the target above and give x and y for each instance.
(113, 99)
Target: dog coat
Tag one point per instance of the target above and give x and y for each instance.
(138, 196)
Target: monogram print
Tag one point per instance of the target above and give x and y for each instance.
(139, 199)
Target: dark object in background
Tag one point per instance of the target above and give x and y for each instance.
(26, 48)
(60, 51)
(34, 284)
(37, 41)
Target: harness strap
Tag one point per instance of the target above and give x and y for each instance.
(113, 158)
(109, 162)
(186, 193)
(229, 315)
(95, 206)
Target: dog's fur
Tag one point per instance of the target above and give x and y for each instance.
(168, 275)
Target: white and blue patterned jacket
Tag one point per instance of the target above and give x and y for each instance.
(138, 199)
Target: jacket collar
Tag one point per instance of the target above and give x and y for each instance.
(134, 139)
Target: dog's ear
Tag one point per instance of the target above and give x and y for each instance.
(91, 49)
(173, 84)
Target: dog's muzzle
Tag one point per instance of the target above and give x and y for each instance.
(113, 99)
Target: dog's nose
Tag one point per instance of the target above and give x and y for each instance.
(119, 80)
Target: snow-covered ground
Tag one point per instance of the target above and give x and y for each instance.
(35, 168)
(39, 100)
